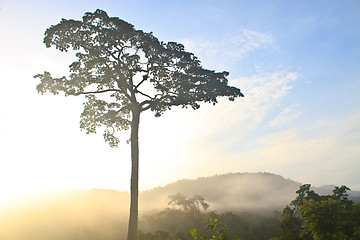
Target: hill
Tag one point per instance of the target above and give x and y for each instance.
(255, 192)
(103, 214)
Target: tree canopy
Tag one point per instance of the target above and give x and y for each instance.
(115, 58)
(321, 217)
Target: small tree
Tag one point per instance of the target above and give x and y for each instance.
(189, 204)
(192, 206)
(123, 72)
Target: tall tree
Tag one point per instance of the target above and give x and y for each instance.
(123, 72)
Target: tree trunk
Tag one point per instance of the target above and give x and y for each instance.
(134, 189)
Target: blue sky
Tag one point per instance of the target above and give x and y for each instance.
(297, 62)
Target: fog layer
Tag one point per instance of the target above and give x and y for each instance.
(103, 214)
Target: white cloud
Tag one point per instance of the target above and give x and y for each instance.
(227, 48)
(323, 158)
(287, 115)
(263, 92)
(236, 44)
(188, 140)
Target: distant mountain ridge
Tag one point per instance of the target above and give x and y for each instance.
(254, 192)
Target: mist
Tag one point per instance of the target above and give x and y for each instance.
(66, 214)
(103, 214)
(254, 192)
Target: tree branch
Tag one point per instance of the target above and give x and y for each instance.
(146, 108)
(145, 77)
(154, 101)
(127, 107)
(94, 92)
(144, 94)
(165, 97)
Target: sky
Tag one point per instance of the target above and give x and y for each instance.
(297, 63)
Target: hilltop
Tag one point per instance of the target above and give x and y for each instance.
(229, 192)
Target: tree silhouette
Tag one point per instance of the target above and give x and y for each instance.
(191, 206)
(123, 72)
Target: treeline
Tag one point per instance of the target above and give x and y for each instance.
(100, 214)
(188, 214)
(309, 216)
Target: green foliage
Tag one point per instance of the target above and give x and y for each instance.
(323, 219)
(184, 213)
(250, 226)
(312, 216)
(169, 220)
(180, 218)
(290, 225)
(216, 230)
(158, 235)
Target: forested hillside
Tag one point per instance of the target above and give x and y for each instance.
(254, 192)
(245, 202)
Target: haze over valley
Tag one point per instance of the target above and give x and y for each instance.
(104, 213)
